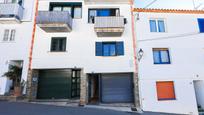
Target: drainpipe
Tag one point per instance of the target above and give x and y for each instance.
(29, 78)
(135, 78)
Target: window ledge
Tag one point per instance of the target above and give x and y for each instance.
(7, 42)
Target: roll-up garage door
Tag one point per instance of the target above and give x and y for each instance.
(54, 84)
(116, 88)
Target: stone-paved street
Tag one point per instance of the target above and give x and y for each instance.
(12, 108)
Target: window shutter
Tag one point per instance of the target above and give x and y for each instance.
(99, 48)
(201, 25)
(120, 48)
(165, 90)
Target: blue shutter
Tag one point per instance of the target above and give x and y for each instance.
(201, 25)
(99, 48)
(120, 48)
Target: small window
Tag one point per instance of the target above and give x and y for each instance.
(157, 26)
(6, 35)
(161, 56)
(109, 48)
(12, 36)
(201, 25)
(58, 44)
(165, 90)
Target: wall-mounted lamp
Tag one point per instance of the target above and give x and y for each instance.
(140, 54)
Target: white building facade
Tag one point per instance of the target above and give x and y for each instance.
(170, 53)
(83, 49)
(16, 23)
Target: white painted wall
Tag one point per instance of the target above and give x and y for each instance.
(186, 49)
(81, 44)
(18, 49)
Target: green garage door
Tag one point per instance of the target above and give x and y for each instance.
(54, 84)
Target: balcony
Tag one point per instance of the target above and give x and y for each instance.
(107, 1)
(10, 13)
(111, 26)
(54, 21)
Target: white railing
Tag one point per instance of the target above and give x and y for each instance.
(54, 17)
(109, 22)
(11, 9)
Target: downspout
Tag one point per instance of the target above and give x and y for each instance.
(136, 79)
(29, 84)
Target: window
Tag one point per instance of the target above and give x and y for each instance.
(6, 35)
(9, 35)
(201, 25)
(161, 56)
(74, 9)
(109, 48)
(12, 36)
(157, 26)
(165, 90)
(101, 12)
(58, 44)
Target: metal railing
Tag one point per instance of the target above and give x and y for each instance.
(109, 22)
(11, 10)
(54, 17)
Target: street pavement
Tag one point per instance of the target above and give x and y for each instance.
(18, 108)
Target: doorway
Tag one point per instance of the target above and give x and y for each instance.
(199, 92)
(94, 89)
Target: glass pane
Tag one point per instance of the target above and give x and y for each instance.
(69, 9)
(57, 8)
(112, 50)
(153, 26)
(156, 57)
(105, 12)
(92, 14)
(77, 12)
(164, 56)
(106, 50)
(161, 26)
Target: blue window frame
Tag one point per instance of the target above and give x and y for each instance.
(201, 24)
(157, 26)
(109, 48)
(161, 56)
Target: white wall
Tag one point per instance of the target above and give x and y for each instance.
(81, 45)
(186, 49)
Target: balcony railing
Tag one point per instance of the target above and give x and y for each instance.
(109, 26)
(11, 12)
(54, 21)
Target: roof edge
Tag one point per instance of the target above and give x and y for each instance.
(168, 11)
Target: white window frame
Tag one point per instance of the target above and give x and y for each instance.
(157, 25)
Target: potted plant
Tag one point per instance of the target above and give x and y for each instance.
(14, 74)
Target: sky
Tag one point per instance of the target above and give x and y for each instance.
(171, 4)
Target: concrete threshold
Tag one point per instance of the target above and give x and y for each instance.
(58, 102)
(116, 107)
